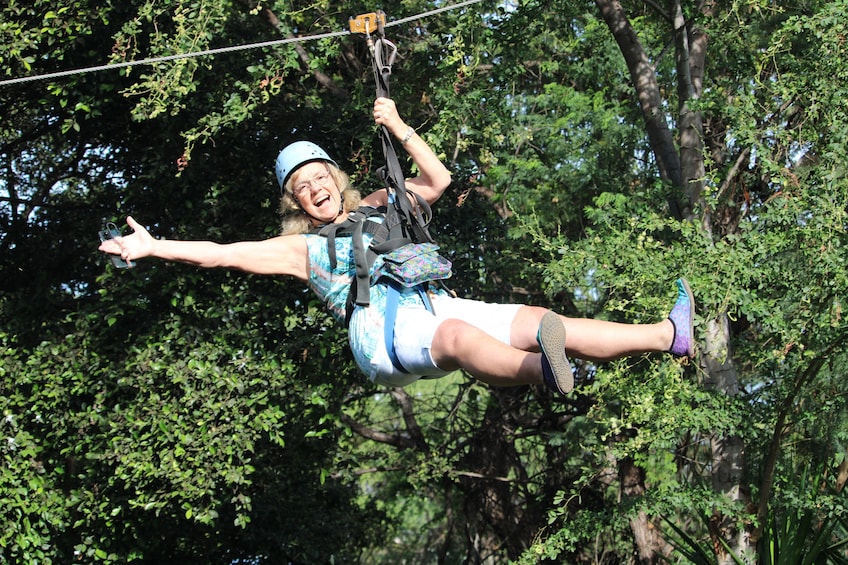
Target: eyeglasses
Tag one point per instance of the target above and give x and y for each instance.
(320, 179)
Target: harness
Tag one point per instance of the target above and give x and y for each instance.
(404, 223)
(387, 237)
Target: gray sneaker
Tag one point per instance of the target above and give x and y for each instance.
(555, 367)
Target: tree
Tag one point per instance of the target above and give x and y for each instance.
(733, 199)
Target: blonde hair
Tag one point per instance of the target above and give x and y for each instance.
(295, 220)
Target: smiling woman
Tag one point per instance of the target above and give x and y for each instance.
(295, 219)
(429, 333)
(317, 194)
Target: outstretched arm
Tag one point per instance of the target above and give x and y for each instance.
(433, 176)
(282, 255)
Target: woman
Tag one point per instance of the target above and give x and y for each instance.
(499, 344)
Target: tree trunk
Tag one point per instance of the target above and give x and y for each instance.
(728, 453)
(650, 544)
(647, 90)
(499, 515)
(690, 51)
(686, 172)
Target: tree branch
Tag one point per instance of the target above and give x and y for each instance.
(323, 79)
(397, 440)
(659, 9)
(405, 402)
(648, 93)
(413, 439)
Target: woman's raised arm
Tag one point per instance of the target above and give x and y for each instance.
(433, 177)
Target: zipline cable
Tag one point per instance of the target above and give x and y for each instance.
(221, 50)
(166, 58)
(432, 13)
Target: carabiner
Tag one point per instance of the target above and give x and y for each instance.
(384, 53)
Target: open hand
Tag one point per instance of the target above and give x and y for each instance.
(133, 246)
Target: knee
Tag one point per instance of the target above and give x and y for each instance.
(524, 327)
(452, 333)
(449, 341)
(531, 314)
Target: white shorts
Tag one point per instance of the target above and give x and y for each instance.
(415, 328)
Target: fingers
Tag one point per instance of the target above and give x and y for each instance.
(385, 111)
(110, 246)
(118, 245)
(386, 114)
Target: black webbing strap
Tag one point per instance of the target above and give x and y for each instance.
(356, 224)
(412, 221)
(406, 222)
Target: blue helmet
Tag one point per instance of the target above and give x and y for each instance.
(295, 155)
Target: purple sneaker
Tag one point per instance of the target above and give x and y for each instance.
(683, 319)
(555, 367)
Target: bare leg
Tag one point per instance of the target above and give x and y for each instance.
(594, 340)
(458, 345)
(602, 341)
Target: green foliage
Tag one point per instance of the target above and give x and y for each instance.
(173, 430)
(806, 525)
(172, 416)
